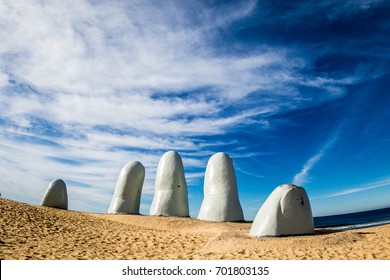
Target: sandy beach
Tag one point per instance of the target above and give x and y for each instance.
(36, 232)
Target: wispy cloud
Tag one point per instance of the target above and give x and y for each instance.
(333, 9)
(303, 176)
(361, 188)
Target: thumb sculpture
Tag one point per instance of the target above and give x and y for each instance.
(127, 195)
(221, 202)
(171, 195)
(56, 195)
(286, 211)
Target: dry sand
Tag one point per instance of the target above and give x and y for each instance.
(36, 232)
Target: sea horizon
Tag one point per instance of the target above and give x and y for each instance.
(361, 219)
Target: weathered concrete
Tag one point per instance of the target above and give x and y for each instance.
(127, 195)
(56, 195)
(171, 194)
(221, 202)
(286, 211)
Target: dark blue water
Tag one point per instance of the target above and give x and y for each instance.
(354, 220)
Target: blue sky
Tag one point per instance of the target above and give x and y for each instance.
(294, 91)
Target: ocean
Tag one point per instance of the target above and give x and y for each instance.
(354, 220)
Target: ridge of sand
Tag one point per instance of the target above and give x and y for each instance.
(36, 232)
(183, 225)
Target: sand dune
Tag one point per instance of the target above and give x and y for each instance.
(36, 232)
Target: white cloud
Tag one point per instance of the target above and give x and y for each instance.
(365, 187)
(85, 48)
(302, 177)
(359, 188)
(333, 9)
(3, 79)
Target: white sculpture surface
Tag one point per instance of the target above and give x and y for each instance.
(221, 202)
(171, 194)
(56, 195)
(127, 194)
(286, 211)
